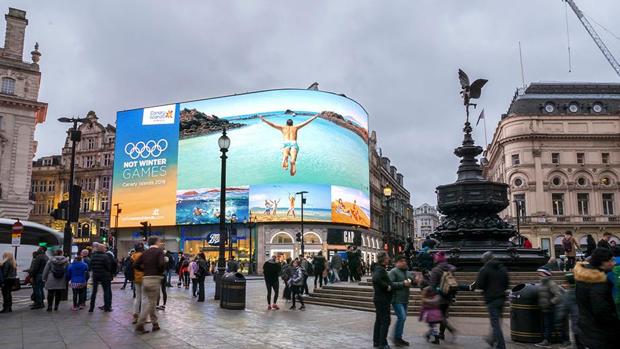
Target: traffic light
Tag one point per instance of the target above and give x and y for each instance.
(61, 212)
(298, 237)
(104, 235)
(74, 210)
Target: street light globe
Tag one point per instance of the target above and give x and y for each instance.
(387, 192)
(224, 141)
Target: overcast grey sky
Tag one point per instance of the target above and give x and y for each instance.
(399, 59)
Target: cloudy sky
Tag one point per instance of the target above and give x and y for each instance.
(397, 58)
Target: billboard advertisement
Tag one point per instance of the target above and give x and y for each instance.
(283, 142)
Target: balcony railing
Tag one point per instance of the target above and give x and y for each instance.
(564, 219)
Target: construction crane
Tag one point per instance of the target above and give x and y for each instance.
(597, 39)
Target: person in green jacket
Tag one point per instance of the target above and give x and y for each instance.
(401, 280)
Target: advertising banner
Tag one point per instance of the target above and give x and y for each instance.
(283, 142)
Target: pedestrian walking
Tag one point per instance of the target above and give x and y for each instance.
(193, 269)
(271, 270)
(35, 274)
(570, 246)
(493, 280)
(336, 264)
(152, 263)
(138, 278)
(184, 272)
(54, 274)
(443, 282)
(549, 296)
(77, 275)
(128, 271)
(305, 263)
(286, 274)
(170, 266)
(232, 265)
(568, 309)
(102, 266)
(8, 280)
(164, 282)
(431, 313)
(401, 280)
(201, 275)
(296, 283)
(598, 320)
(382, 298)
(354, 256)
(318, 265)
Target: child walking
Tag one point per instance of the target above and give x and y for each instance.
(431, 313)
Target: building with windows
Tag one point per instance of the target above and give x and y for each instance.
(20, 112)
(426, 219)
(391, 216)
(558, 147)
(93, 172)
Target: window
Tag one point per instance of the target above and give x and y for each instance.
(90, 184)
(282, 238)
(47, 162)
(605, 158)
(581, 158)
(515, 159)
(582, 181)
(556, 180)
(582, 204)
(545, 244)
(518, 182)
(50, 206)
(558, 204)
(51, 186)
(605, 181)
(107, 160)
(87, 204)
(520, 204)
(104, 204)
(89, 161)
(91, 143)
(105, 182)
(8, 86)
(555, 158)
(608, 204)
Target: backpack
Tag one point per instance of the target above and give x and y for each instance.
(448, 284)
(58, 271)
(567, 244)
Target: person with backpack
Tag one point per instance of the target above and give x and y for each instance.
(401, 280)
(549, 296)
(570, 246)
(54, 274)
(493, 280)
(444, 283)
(296, 283)
(318, 265)
(76, 274)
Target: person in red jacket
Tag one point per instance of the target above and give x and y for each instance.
(527, 243)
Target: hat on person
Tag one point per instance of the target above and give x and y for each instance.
(544, 271)
(439, 257)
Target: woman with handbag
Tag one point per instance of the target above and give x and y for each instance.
(10, 281)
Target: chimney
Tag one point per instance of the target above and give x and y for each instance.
(16, 23)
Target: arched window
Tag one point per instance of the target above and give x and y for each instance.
(282, 238)
(312, 238)
(8, 86)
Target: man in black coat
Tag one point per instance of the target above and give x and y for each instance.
(39, 260)
(101, 265)
(598, 320)
(604, 242)
(493, 280)
(382, 297)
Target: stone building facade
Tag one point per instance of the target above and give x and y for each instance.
(395, 223)
(558, 147)
(20, 112)
(426, 220)
(93, 172)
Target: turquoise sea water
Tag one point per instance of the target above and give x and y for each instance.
(329, 154)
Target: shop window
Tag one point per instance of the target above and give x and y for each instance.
(312, 238)
(282, 238)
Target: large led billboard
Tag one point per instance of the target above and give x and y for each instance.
(167, 160)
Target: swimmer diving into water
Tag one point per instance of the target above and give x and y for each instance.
(290, 148)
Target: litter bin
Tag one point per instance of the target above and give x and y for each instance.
(233, 291)
(526, 318)
(525, 315)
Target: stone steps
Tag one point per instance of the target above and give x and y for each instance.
(467, 303)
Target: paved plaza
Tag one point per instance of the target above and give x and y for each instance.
(187, 324)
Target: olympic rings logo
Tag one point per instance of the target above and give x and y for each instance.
(145, 149)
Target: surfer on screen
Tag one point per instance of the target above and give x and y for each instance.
(290, 148)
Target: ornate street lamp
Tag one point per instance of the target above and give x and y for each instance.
(387, 236)
(224, 144)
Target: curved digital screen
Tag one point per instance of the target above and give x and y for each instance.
(167, 164)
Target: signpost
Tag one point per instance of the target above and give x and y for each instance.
(16, 235)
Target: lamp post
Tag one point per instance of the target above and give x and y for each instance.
(387, 193)
(251, 223)
(303, 202)
(76, 136)
(118, 212)
(224, 143)
(518, 205)
(233, 220)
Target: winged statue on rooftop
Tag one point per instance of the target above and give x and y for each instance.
(470, 91)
